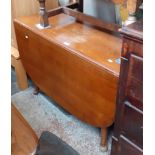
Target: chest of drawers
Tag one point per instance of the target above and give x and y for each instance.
(128, 130)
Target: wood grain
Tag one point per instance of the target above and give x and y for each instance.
(91, 20)
(21, 76)
(29, 7)
(24, 8)
(23, 138)
(128, 129)
(70, 63)
(15, 53)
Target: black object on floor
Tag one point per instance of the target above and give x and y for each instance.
(50, 144)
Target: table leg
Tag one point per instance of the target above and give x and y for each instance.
(36, 91)
(104, 139)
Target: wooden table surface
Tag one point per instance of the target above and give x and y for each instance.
(72, 63)
(98, 46)
(23, 138)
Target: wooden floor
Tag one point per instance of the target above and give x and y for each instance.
(23, 138)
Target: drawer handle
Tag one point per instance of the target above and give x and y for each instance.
(133, 107)
(26, 36)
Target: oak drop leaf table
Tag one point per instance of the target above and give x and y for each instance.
(74, 64)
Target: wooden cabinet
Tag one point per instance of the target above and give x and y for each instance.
(128, 148)
(128, 131)
(134, 88)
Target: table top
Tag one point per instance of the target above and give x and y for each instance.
(100, 47)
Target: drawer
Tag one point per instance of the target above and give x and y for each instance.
(134, 89)
(132, 46)
(114, 149)
(126, 147)
(132, 124)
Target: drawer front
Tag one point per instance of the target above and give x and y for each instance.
(126, 147)
(114, 149)
(132, 46)
(134, 89)
(132, 124)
